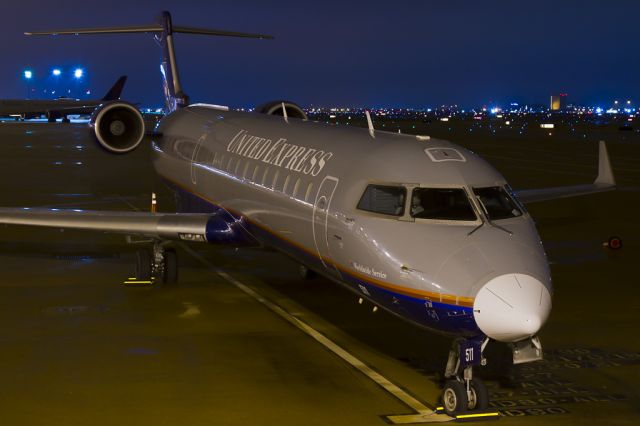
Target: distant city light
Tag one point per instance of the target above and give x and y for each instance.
(56, 72)
(78, 73)
(28, 74)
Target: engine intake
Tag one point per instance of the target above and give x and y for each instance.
(275, 108)
(118, 126)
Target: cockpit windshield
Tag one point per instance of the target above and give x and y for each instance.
(497, 203)
(383, 199)
(441, 204)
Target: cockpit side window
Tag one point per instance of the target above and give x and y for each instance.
(441, 204)
(497, 203)
(383, 199)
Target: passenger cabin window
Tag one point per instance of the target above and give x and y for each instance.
(381, 199)
(307, 195)
(246, 169)
(497, 203)
(286, 184)
(441, 204)
(296, 188)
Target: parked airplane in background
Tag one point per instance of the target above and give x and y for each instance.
(57, 108)
(419, 226)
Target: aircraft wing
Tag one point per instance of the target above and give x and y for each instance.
(604, 182)
(174, 226)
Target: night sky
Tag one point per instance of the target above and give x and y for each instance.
(413, 53)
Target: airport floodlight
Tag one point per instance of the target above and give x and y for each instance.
(28, 74)
(78, 73)
(56, 72)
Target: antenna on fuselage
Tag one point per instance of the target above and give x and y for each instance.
(163, 31)
(372, 131)
(284, 113)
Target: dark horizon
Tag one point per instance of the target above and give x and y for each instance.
(412, 54)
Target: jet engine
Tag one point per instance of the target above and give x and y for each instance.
(118, 126)
(275, 108)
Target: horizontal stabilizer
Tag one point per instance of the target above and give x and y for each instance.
(153, 28)
(604, 182)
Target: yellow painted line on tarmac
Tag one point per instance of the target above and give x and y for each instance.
(138, 282)
(423, 414)
(472, 416)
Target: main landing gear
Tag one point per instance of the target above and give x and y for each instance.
(462, 392)
(161, 264)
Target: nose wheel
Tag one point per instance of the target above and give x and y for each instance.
(462, 392)
(454, 397)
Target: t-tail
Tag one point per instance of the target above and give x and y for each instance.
(116, 90)
(163, 31)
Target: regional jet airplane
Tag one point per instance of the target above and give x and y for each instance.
(418, 226)
(57, 108)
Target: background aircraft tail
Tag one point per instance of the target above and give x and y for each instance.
(116, 90)
(163, 32)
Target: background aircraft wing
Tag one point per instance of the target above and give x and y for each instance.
(604, 182)
(174, 226)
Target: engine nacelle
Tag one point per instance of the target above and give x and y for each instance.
(275, 108)
(118, 126)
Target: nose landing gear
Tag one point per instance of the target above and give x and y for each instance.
(463, 392)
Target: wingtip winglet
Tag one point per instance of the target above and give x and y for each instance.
(605, 172)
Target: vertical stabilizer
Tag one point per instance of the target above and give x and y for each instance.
(174, 96)
(116, 90)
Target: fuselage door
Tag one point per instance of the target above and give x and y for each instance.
(320, 222)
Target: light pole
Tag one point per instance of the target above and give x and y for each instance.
(78, 75)
(28, 75)
(56, 73)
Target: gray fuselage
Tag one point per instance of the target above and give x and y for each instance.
(295, 185)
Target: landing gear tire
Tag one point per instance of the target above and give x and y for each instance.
(478, 395)
(170, 273)
(143, 265)
(454, 397)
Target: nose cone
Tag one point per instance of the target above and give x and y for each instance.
(512, 307)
